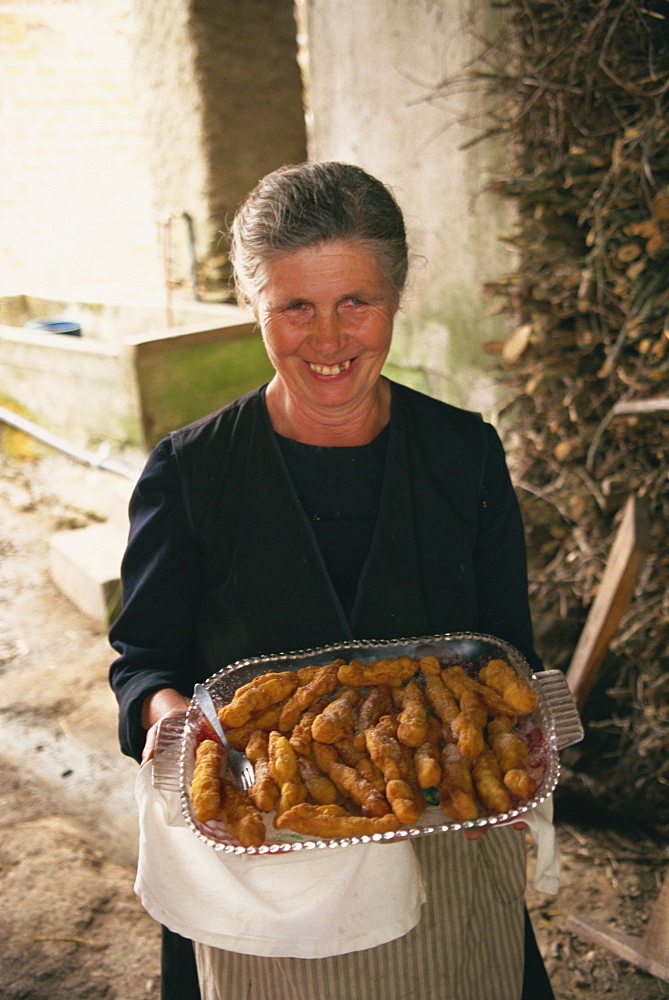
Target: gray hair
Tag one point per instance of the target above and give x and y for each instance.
(302, 206)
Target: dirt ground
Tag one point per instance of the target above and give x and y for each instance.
(70, 924)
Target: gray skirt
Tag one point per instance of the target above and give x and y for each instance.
(468, 944)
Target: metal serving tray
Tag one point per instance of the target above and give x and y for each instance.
(552, 726)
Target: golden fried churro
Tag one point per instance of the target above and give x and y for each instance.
(520, 783)
(317, 682)
(266, 719)
(269, 689)
(385, 750)
(490, 789)
(429, 665)
(241, 817)
(320, 788)
(426, 757)
(348, 751)
(349, 781)
(458, 680)
(301, 739)
(471, 702)
(335, 722)
(456, 788)
(515, 691)
(468, 734)
(264, 791)
(412, 720)
(377, 702)
(369, 770)
(293, 791)
(205, 787)
(509, 749)
(440, 698)
(405, 801)
(394, 673)
(334, 822)
(282, 758)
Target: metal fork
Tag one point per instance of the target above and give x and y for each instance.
(239, 765)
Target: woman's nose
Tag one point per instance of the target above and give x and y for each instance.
(327, 334)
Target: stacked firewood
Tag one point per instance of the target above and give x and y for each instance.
(582, 90)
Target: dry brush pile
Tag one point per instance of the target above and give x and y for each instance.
(582, 90)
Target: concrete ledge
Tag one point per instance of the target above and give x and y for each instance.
(85, 565)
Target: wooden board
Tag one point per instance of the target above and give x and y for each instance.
(650, 952)
(612, 600)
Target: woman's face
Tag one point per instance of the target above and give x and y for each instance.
(326, 314)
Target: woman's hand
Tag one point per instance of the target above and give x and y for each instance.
(158, 706)
(475, 834)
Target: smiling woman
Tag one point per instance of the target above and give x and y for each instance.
(326, 315)
(331, 505)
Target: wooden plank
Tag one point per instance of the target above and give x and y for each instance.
(655, 944)
(625, 946)
(612, 600)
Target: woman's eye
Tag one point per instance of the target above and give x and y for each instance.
(354, 301)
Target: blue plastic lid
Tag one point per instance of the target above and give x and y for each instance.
(54, 325)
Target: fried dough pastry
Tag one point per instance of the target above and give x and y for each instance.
(264, 791)
(241, 817)
(301, 739)
(426, 757)
(335, 722)
(369, 770)
(397, 766)
(282, 758)
(259, 694)
(468, 734)
(456, 788)
(394, 673)
(377, 702)
(386, 751)
(457, 680)
(515, 691)
(334, 822)
(412, 720)
(349, 781)
(509, 749)
(315, 682)
(348, 751)
(405, 801)
(266, 719)
(490, 789)
(429, 665)
(440, 698)
(520, 783)
(472, 703)
(319, 787)
(293, 791)
(205, 787)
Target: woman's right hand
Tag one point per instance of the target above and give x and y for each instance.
(158, 706)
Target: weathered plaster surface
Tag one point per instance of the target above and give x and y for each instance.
(373, 81)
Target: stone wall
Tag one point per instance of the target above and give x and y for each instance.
(374, 100)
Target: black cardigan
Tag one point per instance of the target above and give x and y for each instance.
(222, 562)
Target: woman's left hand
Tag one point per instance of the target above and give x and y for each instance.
(476, 834)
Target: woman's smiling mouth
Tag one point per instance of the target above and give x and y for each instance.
(329, 369)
